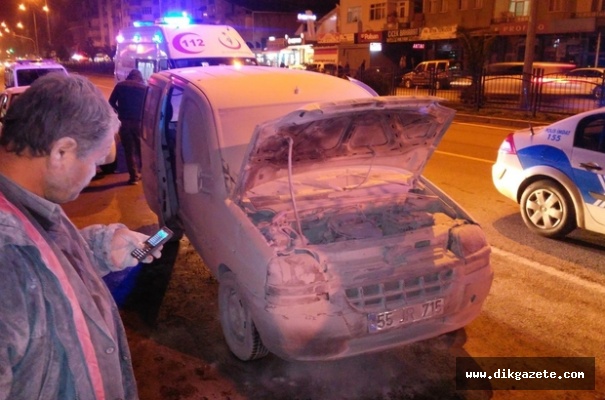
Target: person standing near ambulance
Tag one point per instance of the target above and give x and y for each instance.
(61, 336)
(127, 99)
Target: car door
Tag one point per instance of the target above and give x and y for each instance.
(420, 77)
(588, 164)
(198, 176)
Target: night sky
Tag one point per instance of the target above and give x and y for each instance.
(10, 13)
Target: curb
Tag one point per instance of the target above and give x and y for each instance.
(509, 122)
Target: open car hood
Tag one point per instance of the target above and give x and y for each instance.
(391, 131)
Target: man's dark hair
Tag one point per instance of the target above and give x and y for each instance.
(56, 106)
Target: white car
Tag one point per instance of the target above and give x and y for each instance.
(303, 194)
(555, 173)
(25, 72)
(8, 96)
(579, 82)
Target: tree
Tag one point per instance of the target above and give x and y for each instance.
(476, 48)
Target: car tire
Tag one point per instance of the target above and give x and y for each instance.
(597, 92)
(437, 85)
(238, 328)
(407, 83)
(547, 209)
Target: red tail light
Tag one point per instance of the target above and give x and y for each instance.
(508, 145)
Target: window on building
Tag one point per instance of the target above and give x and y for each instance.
(478, 3)
(555, 5)
(463, 4)
(403, 9)
(432, 6)
(354, 14)
(444, 6)
(519, 8)
(378, 11)
(147, 10)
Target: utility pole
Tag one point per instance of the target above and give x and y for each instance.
(528, 59)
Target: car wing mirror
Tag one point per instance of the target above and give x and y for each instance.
(192, 178)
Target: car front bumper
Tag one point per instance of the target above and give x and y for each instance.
(334, 328)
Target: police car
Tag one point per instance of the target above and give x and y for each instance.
(555, 173)
(25, 72)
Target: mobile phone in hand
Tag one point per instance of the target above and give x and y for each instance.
(152, 243)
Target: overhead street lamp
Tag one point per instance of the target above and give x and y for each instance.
(46, 10)
(12, 33)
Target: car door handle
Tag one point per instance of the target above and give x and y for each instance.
(591, 166)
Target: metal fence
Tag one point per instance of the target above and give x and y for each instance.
(537, 93)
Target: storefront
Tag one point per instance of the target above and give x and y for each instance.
(567, 40)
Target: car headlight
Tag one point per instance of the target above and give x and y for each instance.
(468, 242)
(296, 278)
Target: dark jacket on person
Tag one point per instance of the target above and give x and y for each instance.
(128, 96)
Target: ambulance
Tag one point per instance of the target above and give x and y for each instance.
(153, 47)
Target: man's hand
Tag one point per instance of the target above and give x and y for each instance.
(124, 241)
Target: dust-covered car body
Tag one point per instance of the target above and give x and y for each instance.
(326, 240)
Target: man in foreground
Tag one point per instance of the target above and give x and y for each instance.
(61, 336)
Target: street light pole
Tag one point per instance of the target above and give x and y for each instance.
(36, 33)
(22, 7)
(47, 11)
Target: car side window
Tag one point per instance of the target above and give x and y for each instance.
(590, 133)
(195, 145)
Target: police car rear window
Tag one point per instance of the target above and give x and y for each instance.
(26, 77)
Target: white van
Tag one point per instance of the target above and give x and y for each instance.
(306, 202)
(25, 72)
(157, 47)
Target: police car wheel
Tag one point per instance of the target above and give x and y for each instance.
(547, 209)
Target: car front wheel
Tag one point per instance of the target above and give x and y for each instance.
(408, 84)
(238, 328)
(547, 210)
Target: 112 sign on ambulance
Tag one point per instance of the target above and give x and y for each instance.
(159, 46)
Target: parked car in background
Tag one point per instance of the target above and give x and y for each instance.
(25, 72)
(101, 57)
(581, 82)
(308, 204)
(436, 73)
(506, 78)
(326, 68)
(555, 173)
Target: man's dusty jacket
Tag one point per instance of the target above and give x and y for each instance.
(40, 354)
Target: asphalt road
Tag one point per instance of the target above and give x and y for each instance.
(547, 300)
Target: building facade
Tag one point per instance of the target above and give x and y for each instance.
(402, 33)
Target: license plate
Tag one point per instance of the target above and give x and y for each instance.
(406, 315)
